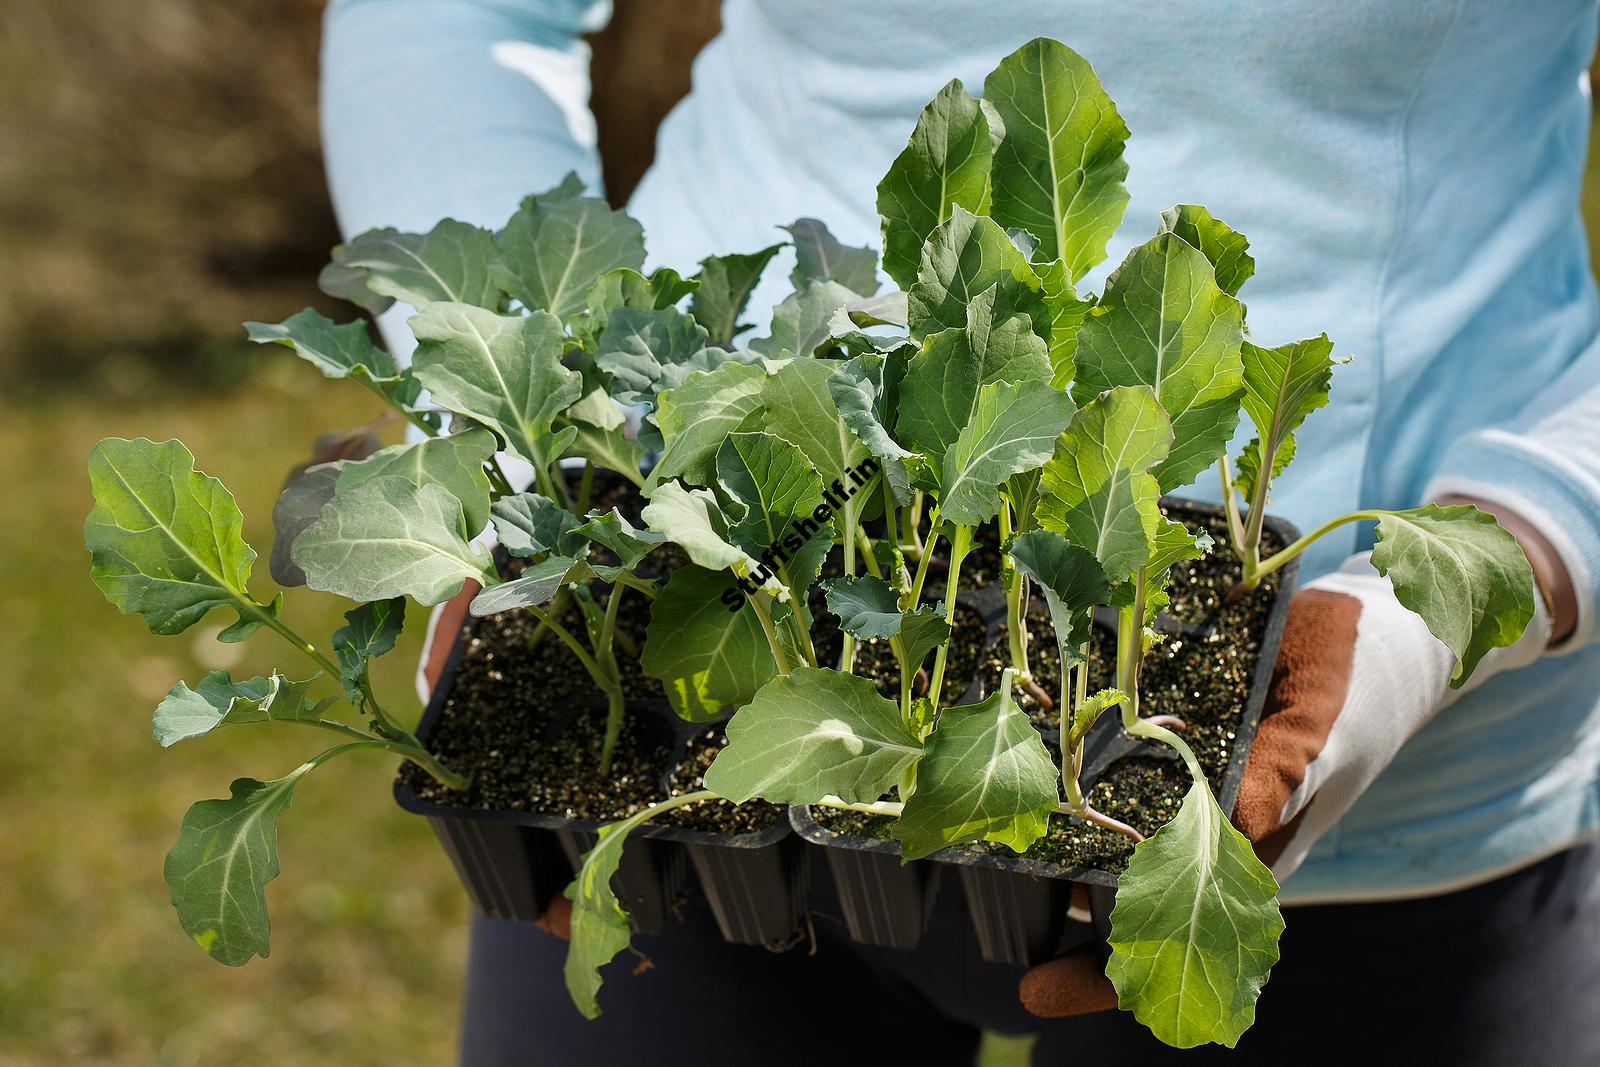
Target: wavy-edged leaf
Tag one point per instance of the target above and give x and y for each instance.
(338, 351)
(297, 507)
(819, 257)
(695, 417)
(504, 371)
(708, 658)
(1227, 249)
(1012, 429)
(985, 775)
(555, 248)
(798, 407)
(449, 263)
(801, 325)
(390, 538)
(619, 536)
(865, 389)
(966, 255)
(1067, 316)
(1058, 173)
(945, 163)
(165, 541)
(647, 352)
(922, 630)
(601, 435)
(369, 631)
(1463, 572)
(776, 483)
(627, 288)
(1071, 580)
(1096, 489)
(220, 701)
(537, 585)
(726, 283)
(1164, 323)
(810, 734)
(867, 606)
(1195, 928)
(1282, 386)
(1173, 542)
(530, 524)
(1085, 715)
(599, 927)
(455, 463)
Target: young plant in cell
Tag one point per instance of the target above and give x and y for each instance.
(1009, 401)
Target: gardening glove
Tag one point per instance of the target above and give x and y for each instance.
(443, 625)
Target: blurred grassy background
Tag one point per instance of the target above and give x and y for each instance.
(164, 184)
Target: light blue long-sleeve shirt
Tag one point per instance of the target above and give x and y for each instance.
(1408, 176)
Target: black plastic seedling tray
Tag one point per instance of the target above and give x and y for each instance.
(514, 863)
(1018, 904)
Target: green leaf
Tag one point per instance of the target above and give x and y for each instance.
(865, 390)
(940, 390)
(708, 658)
(1058, 173)
(220, 701)
(626, 288)
(531, 524)
(1067, 316)
(985, 775)
(798, 407)
(725, 286)
(647, 352)
(1085, 714)
(164, 540)
(1012, 429)
(504, 371)
(1163, 322)
(1195, 928)
(370, 630)
(801, 325)
(337, 351)
(599, 927)
(1249, 466)
(867, 606)
(1281, 387)
(297, 507)
(391, 538)
(966, 255)
(694, 521)
(1228, 251)
(1463, 573)
(819, 257)
(455, 463)
(536, 586)
(695, 417)
(449, 263)
(554, 248)
(227, 852)
(921, 631)
(945, 163)
(601, 435)
(810, 734)
(1173, 542)
(1096, 490)
(1071, 580)
(344, 282)
(616, 534)
(777, 486)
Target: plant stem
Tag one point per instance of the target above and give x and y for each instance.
(410, 416)
(573, 643)
(1230, 506)
(892, 808)
(758, 603)
(1130, 648)
(1284, 555)
(869, 558)
(615, 701)
(585, 486)
(960, 543)
(1147, 729)
(1089, 814)
(891, 514)
(923, 560)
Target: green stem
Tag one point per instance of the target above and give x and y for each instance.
(891, 515)
(573, 643)
(616, 710)
(1147, 729)
(1130, 648)
(1284, 555)
(410, 416)
(1230, 506)
(892, 808)
(585, 486)
(1089, 814)
(869, 558)
(924, 560)
(758, 602)
(960, 543)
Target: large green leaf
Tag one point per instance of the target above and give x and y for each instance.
(798, 407)
(1012, 429)
(1195, 928)
(775, 482)
(227, 852)
(1096, 490)
(1163, 322)
(802, 324)
(810, 734)
(819, 257)
(1071, 580)
(708, 658)
(1281, 387)
(1067, 316)
(164, 540)
(391, 538)
(220, 701)
(449, 263)
(693, 520)
(555, 247)
(297, 507)
(865, 390)
(369, 631)
(647, 352)
(337, 351)
(1058, 173)
(455, 463)
(531, 524)
(985, 775)
(1228, 250)
(695, 417)
(922, 630)
(726, 283)
(504, 371)
(945, 163)
(966, 255)
(599, 927)
(1463, 573)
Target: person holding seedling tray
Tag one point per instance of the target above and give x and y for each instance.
(972, 575)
